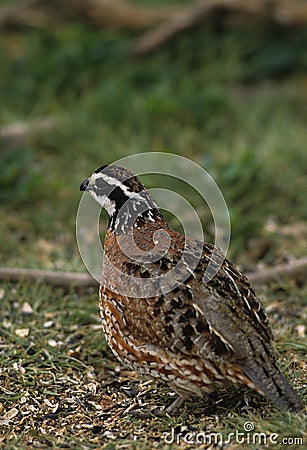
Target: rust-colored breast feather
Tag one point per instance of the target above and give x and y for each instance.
(196, 337)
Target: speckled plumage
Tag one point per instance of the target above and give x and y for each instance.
(195, 337)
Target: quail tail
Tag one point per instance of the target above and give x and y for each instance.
(272, 383)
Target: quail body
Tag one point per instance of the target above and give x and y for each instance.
(162, 318)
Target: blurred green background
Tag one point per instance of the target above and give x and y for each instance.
(230, 95)
(232, 98)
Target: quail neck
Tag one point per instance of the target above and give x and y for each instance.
(124, 197)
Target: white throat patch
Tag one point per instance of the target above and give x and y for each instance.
(105, 202)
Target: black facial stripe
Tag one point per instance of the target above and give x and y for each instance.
(114, 193)
(118, 196)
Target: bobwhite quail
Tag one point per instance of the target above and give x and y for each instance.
(191, 334)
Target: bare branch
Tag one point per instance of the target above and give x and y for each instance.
(280, 12)
(168, 19)
(103, 13)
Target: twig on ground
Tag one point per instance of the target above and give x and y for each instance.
(296, 269)
(54, 278)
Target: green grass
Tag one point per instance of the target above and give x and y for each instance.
(68, 392)
(234, 101)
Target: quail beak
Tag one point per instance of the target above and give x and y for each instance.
(84, 185)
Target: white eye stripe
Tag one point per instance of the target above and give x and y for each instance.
(106, 178)
(114, 182)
